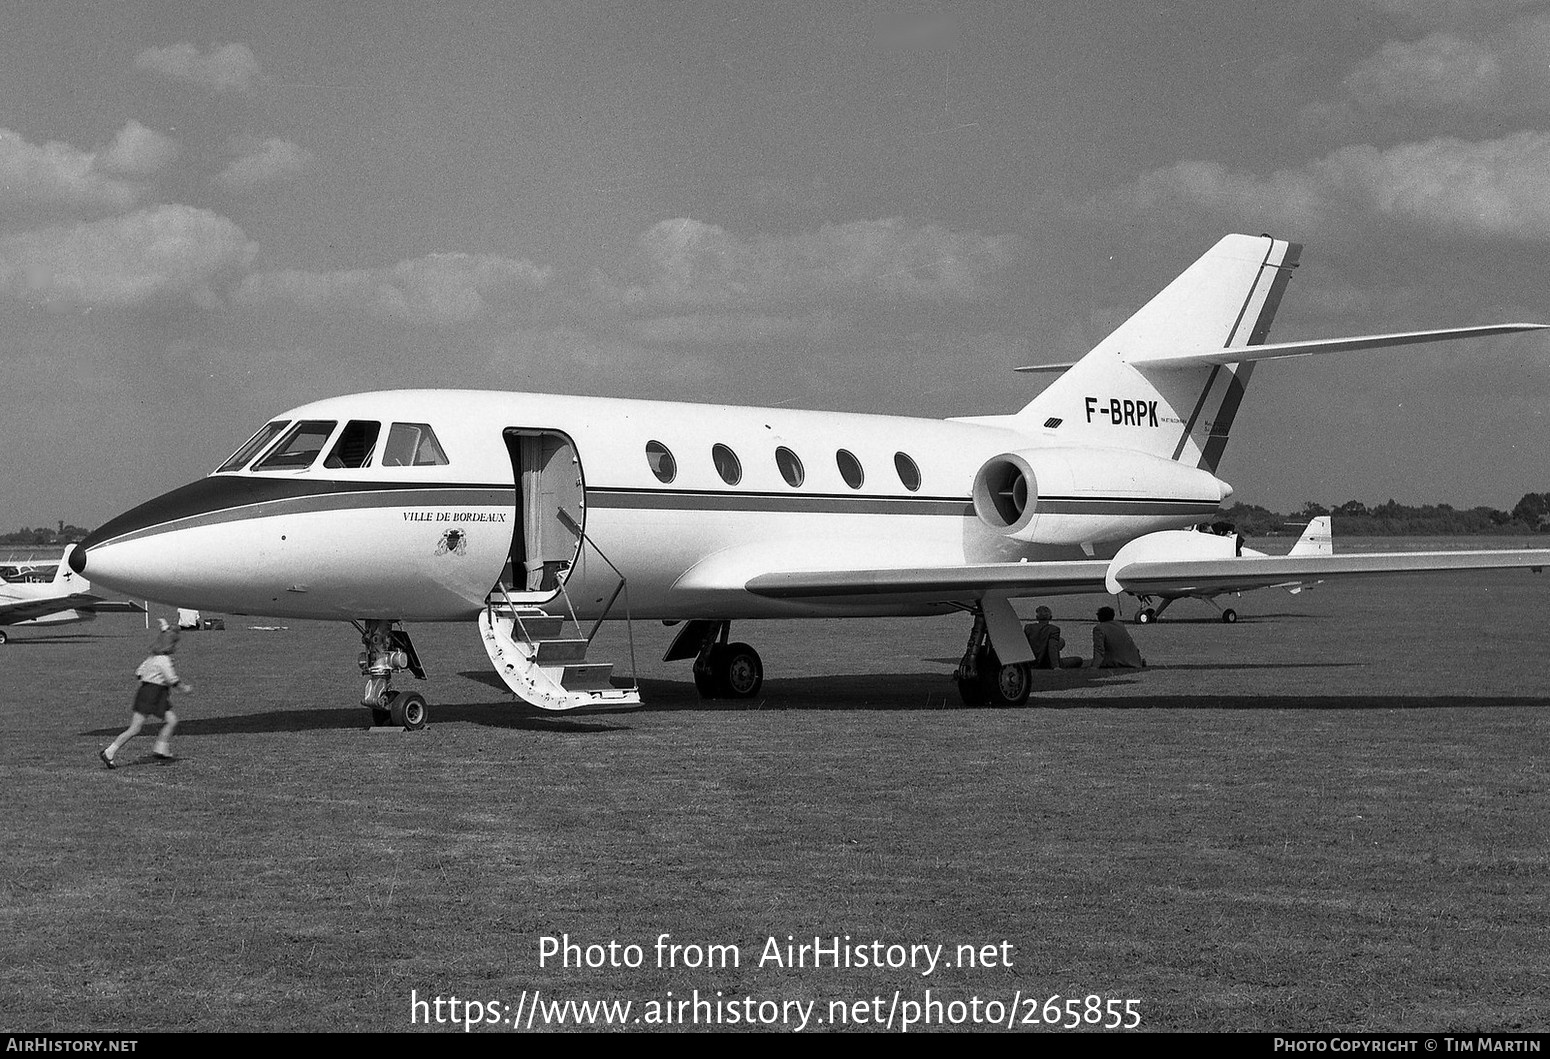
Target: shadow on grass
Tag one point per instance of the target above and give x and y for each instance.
(924, 692)
(12, 640)
(1222, 666)
(490, 715)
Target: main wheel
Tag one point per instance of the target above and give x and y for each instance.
(407, 708)
(1229, 615)
(1146, 616)
(741, 671)
(1006, 685)
(3, 636)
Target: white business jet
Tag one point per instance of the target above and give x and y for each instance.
(64, 600)
(528, 512)
(1217, 542)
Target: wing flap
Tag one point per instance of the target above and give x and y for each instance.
(1242, 574)
(946, 582)
(19, 610)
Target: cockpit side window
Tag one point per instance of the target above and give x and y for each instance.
(255, 444)
(413, 445)
(356, 440)
(300, 447)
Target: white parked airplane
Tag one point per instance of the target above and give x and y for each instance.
(62, 601)
(1316, 539)
(519, 510)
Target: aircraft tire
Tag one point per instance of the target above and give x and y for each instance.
(380, 718)
(1006, 685)
(1229, 616)
(408, 709)
(1146, 616)
(740, 671)
(3, 637)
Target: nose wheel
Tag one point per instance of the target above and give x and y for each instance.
(388, 651)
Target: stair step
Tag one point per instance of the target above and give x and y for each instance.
(552, 652)
(538, 627)
(587, 676)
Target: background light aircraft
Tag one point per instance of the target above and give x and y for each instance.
(65, 599)
(527, 512)
(1316, 539)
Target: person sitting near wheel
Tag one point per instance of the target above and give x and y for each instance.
(1046, 642)
(1112, 646)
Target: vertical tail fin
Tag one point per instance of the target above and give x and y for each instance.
(1227, 298)
(1317, 539)
(66, 577)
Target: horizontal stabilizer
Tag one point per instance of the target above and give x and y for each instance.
(1186, 358)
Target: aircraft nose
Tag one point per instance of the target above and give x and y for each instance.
(78, 561)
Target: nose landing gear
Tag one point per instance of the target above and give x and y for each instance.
(388, 651)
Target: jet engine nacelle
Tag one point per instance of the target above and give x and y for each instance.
(1051, 496)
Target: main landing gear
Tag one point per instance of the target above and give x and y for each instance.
(722, 670)
(388, 651)
(982, 679)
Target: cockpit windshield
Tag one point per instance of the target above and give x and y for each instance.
(356, 440)
(240, 458)
(413, 445)
(299, 448)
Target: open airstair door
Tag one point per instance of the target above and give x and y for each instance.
(546, 539)
(529, 628)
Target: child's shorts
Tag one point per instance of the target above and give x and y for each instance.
(152, 699)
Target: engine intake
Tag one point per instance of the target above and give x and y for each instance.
(1082, 496)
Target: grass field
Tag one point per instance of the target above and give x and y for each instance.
(1330, 816)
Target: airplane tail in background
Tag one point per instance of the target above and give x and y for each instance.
(1173, 405)
(1317, 539)
(63, 575)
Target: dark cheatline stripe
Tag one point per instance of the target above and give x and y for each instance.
(1267, 312)
(1221, 426)
(714, 500)
(225, 498)
(230, 498)
(695, 500)
(1189, 427)
(1216, 444)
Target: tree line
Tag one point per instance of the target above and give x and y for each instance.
(1356, 519)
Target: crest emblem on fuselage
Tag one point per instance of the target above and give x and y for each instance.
(454, 541)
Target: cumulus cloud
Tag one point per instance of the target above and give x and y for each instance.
(228, 68)
(435, 289)
(724, 329)
(1492, 188)
(168, 251)
(59, 176)
(138, 151)
(262, 162)
(1446, 12)
(1441, 71)
(686, 264)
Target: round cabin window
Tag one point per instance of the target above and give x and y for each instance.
(727, 464)
(850, 469)
(790, 466)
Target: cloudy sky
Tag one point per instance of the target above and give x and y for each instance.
(210, 212)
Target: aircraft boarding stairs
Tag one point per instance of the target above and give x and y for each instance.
(543, 663)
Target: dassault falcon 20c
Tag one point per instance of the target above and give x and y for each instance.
(525, 512)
